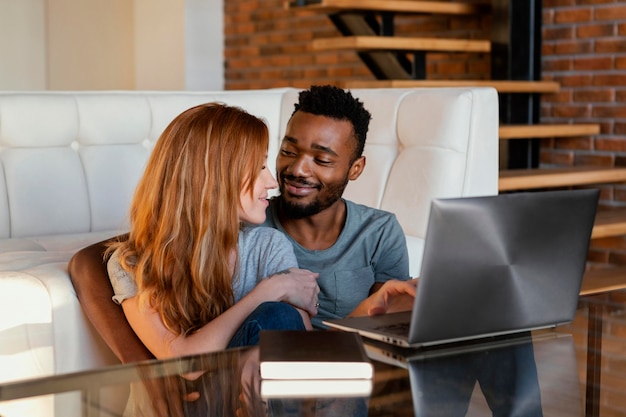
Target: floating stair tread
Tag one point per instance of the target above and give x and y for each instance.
(503, 86)
(547, 130)
(398, 6)
(600, 281)
(522, 179)
(611, 222)
(395, 43)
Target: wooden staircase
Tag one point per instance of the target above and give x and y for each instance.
(367, 29)
(394, 6)
(373, 43)
(503, 86)
(547, 131)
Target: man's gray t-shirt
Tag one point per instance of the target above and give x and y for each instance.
(371, 248)
(263, 252)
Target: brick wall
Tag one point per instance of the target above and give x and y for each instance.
(584, 49)
(267, 46)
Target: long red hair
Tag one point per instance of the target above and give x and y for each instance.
(184, 219)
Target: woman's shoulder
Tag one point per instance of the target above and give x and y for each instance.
(114, 260)
(261, 233)
(261, 241)
(122, 281)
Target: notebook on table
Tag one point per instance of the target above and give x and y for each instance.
(491, 266)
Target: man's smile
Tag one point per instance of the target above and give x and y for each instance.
(298, 187)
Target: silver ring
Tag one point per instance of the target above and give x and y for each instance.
(317, 305)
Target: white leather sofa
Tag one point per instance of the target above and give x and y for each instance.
(69, 162)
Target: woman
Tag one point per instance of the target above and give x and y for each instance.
(190, 277)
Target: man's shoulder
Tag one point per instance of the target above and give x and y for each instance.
(363, 219)
(364, 212)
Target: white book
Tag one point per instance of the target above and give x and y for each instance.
(315, 388)
(306, 355)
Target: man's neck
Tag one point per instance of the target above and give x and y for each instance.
(319, 231)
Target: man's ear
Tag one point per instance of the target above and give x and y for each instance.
(356, 168)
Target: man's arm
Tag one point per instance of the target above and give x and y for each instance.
(389, 294)
(88, 272)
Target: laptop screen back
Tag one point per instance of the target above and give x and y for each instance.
(497, 264)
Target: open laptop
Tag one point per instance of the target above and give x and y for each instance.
(493, 265)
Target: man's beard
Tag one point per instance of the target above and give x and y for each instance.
(295, 210)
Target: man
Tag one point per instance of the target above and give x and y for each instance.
(359, 252)
(354, 248)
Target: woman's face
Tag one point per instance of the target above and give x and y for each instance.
(253, 205)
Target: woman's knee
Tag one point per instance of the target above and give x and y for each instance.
(267, 316)
(273, 315)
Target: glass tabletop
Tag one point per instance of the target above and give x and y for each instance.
(546, 373)
(529, 375)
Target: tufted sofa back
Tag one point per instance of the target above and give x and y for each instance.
(69, 161)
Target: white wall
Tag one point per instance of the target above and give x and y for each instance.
(111, 44)
(160, 44)
(89, 44)
(204, 47)
(22, 45)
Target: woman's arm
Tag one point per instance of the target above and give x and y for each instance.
(216, 334)
(263, 251)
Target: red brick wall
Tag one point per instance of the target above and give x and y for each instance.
(584, 49)
(267, 46)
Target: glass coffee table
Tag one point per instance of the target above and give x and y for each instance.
(530, 375)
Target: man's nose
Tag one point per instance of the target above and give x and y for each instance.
(301, 167)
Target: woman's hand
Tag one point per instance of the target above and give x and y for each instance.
(295, 286)
(394, 295)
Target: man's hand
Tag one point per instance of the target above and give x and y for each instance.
(394, 295)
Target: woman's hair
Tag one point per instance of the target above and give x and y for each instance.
(184, 216)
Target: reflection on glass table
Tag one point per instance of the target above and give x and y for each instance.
(498, 378)
(523, 377)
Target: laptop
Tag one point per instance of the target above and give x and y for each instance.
(492, 266)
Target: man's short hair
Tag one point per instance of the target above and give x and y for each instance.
(338, 104)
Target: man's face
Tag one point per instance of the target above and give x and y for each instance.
(314, 163)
